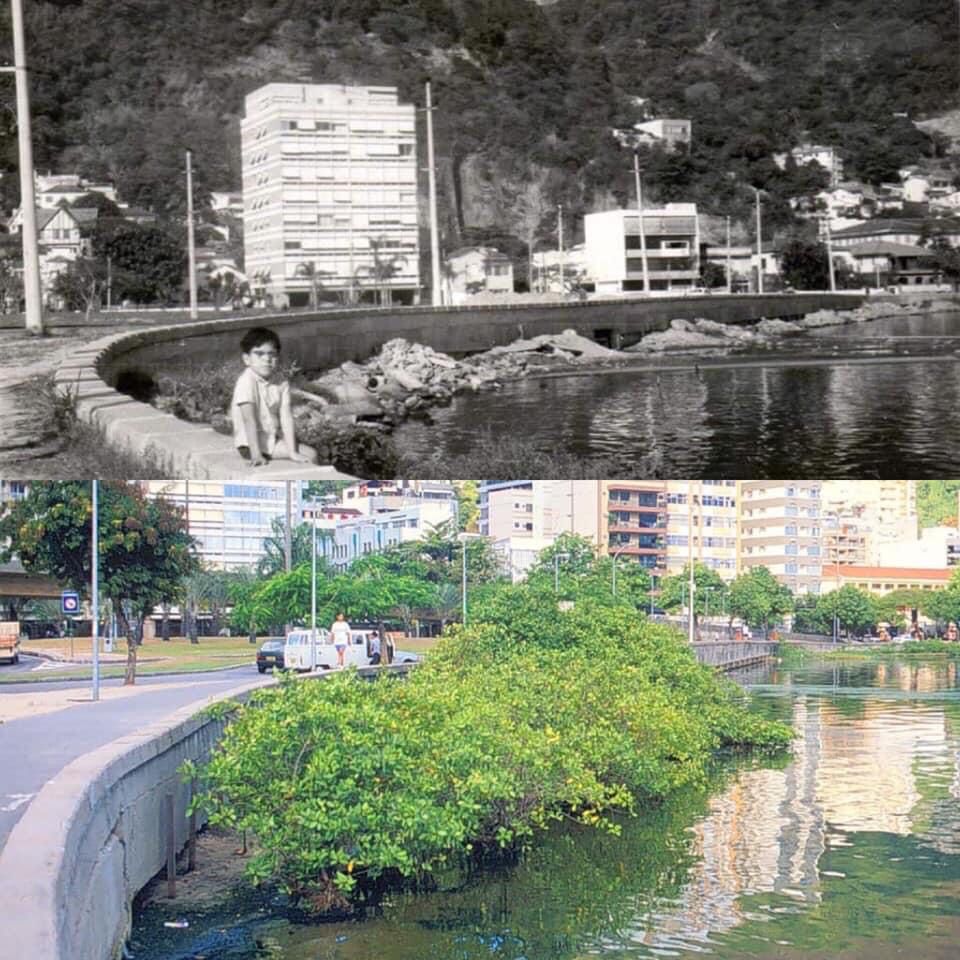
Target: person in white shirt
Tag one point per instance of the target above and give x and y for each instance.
(340, 631)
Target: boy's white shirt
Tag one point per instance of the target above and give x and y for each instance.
(266, 399)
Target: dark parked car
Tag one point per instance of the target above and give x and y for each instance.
(270, 655)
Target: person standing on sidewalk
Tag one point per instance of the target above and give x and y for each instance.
(340, 631)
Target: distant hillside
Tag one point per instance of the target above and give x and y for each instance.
(937, 502)
(526, 93)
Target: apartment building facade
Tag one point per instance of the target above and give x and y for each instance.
(702, 525)
(229, 521)
(634, 522)
(781, 528)
(330, 193)
(863, 518)
(614, 249)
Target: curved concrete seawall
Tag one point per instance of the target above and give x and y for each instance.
(95, 836)
(325, 339)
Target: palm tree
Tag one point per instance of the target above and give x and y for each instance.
(309, 270)
(382, 269)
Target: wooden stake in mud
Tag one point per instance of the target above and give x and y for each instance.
(171, 849)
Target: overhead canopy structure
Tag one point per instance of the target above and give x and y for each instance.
(16, 583)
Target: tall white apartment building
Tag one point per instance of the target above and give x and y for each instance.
(230, 521)
(702, 525)
(330, 193)
(781, 529)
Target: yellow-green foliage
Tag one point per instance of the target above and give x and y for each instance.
(485, 743)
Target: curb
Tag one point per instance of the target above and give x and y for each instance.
(185, 450)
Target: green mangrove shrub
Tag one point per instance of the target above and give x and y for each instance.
(346, 781)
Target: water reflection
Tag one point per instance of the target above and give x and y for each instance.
(849, 845)
(857, 417)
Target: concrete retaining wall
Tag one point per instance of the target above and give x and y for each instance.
(94, 837)
(325, 339)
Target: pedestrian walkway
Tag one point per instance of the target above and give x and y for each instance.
(62, 725)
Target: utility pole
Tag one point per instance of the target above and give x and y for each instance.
(643, 236)
(729, 275)
(756, 191)
(693, 586)
(288, 531)
(95, 591)
(828, 238)
(191, 241)
(28, 206)
(436, 293)
(560, 241)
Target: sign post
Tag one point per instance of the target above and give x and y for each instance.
(70, 607)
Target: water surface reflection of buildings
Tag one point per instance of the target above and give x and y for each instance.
(892, 767)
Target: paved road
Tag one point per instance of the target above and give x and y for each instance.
(35, 748)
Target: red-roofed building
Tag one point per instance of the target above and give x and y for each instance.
(882, 580)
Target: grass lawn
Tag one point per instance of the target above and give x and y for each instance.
(156, 656)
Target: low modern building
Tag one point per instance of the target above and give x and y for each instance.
(474, 270)
(359, 536)
(883, 580)
(670, 242)
(908, 231)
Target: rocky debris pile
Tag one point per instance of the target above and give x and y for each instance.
(695, 335)
(407, 379)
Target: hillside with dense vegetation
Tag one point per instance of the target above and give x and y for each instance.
(526, 94)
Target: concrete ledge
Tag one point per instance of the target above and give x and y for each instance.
(93, 837)
(325, 339)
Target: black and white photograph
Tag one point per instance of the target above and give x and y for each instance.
(504, 238)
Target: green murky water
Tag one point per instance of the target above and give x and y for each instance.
(849, 847)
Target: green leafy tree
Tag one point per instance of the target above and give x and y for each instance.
(144, 547)
(854, 609)
(148, 264)
(804, 265)
(759, 598)
(468, 503)
(937, 502)
(710, 591)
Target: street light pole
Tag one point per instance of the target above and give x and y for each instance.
(95, 591)
(616, 553)
(28, 224)
(313, 592)
(643, 236)
(560, 241)
(557, 557)
(436, 292)
(191, 240)
(463, 538)
(756, 191)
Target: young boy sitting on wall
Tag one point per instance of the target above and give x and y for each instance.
(261, 412)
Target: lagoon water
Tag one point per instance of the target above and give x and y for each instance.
(847, 847)
(878, 401)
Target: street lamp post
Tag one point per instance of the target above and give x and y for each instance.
(613, 572)
(756, 191)
(643, 236)
(463, 538)
(313, 592)
(95, 592)
(28, 223)
(653, 584)
(557, 557)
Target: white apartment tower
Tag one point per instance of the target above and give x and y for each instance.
(781, 529)
(330, 193)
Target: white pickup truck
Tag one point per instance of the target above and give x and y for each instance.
(10, 641)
